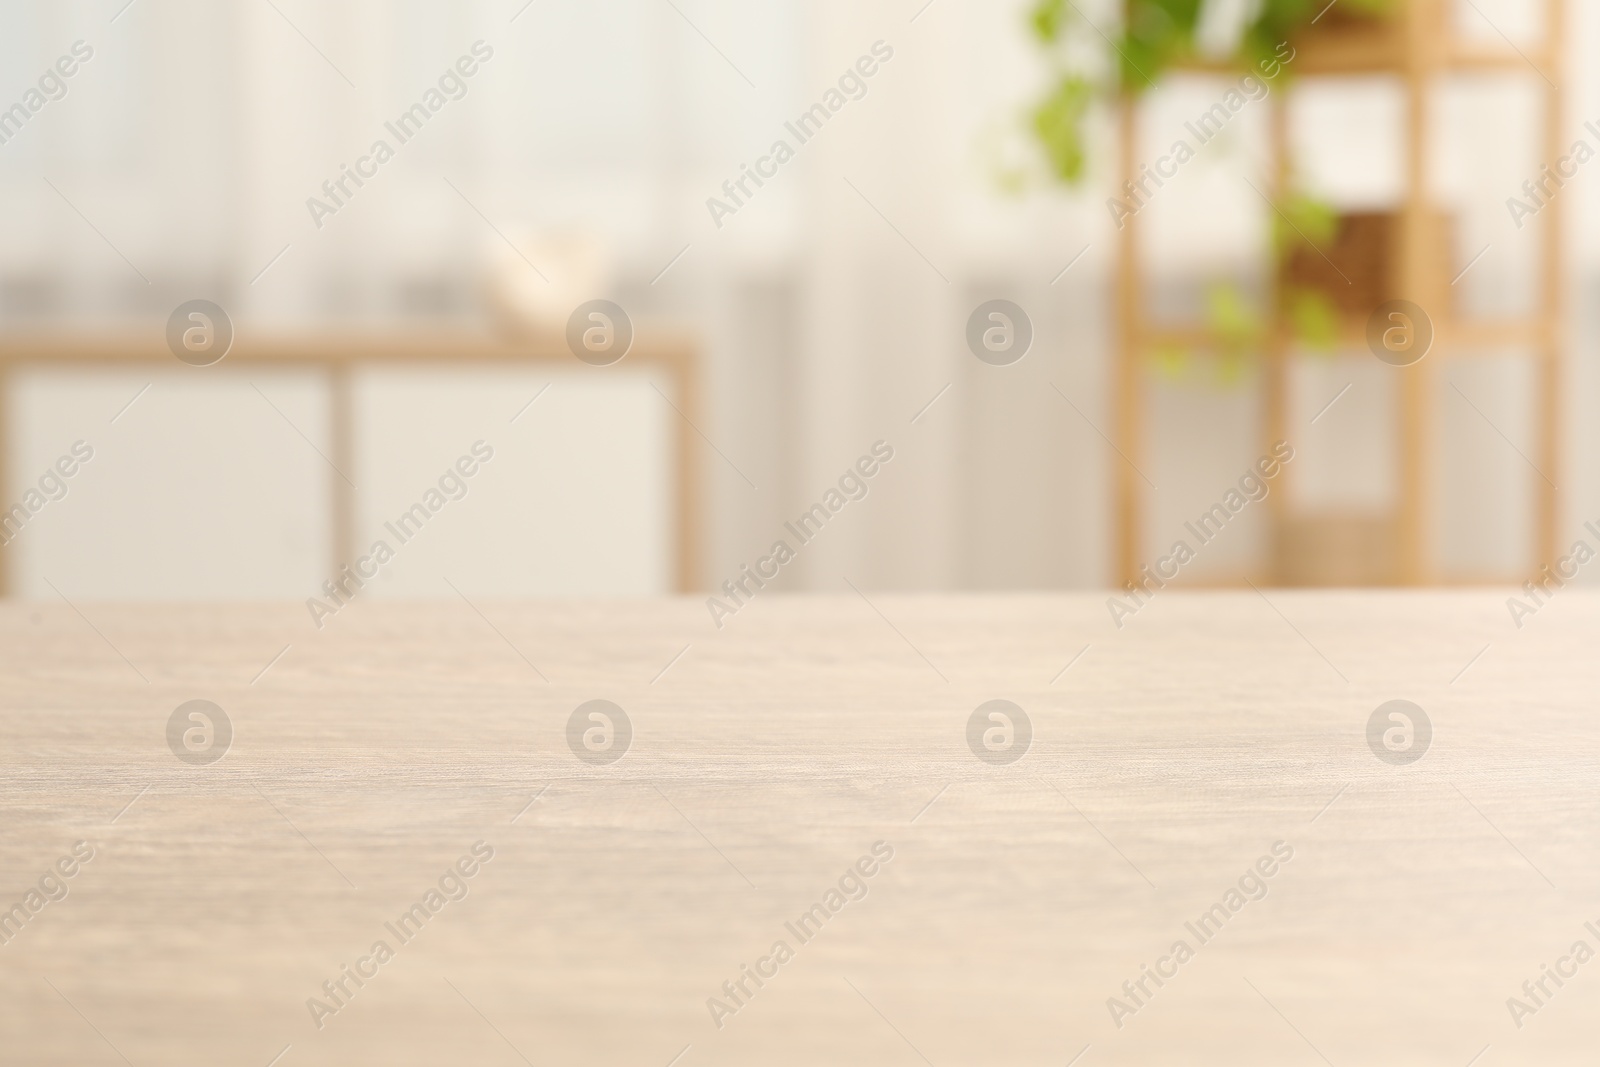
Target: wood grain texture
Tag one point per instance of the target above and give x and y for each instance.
(764, 762)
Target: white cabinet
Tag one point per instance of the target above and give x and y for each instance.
(220, 484)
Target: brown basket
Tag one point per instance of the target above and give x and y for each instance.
(1356, 269)
(1337, 550)
(1360, 268)
(1345, 40)
(1344, 18)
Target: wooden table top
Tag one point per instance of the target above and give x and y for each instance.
(1210, 759)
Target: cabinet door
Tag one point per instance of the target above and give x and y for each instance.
(577, 498)
(200, 488)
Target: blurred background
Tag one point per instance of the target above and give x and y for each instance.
(776, 344)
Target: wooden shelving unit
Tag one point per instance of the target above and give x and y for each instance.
(1414, 45)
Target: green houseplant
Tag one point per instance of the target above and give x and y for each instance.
(1155, 36)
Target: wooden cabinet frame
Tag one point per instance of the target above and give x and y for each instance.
(338, 357)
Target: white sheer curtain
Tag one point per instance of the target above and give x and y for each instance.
(832, 307)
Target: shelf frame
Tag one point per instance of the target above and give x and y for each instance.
(1414, 47)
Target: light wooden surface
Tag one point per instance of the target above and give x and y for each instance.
(765, 761)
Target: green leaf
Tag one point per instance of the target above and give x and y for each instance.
(1046, 19)
(1231, 317)
(1301, 218)
(1314, 319)
(1238, 328)
(1158, 33)
(1170, 362)
(1058, 124)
